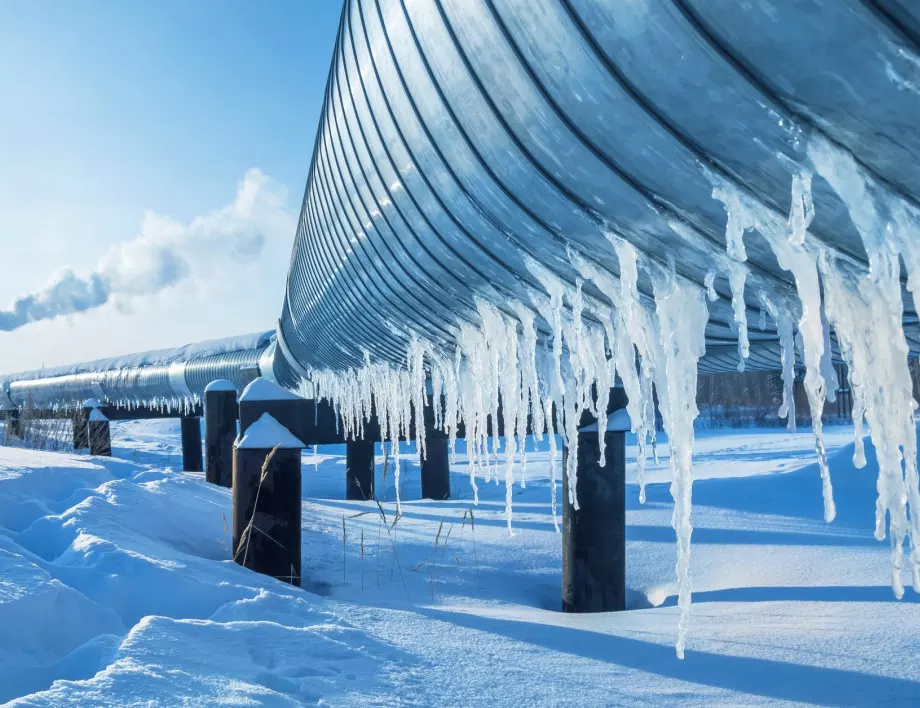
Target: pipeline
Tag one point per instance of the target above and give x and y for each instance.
(170, 379)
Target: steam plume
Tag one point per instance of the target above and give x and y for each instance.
(165, 253)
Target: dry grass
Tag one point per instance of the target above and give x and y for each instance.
(40, 430)
(251, 528)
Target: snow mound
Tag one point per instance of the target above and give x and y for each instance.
(267, 433)
(116, 587)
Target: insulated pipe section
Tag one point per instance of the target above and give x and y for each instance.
(172, 378)
(461, 143)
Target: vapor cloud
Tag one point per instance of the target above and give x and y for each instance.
(165, 253)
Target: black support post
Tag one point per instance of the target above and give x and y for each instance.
(100, 438)
(14, 424)
(594, 536)
(220, 415)
(266, 507)
(191, 444)
(359, 470)
(293, 412)
(436, 466)
(80, 434)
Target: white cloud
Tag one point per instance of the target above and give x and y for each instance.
(223, 271)
(164, 253)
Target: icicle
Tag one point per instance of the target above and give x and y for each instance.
(737, 274)
(865, 310)
(634, 326)
(416, 365)
(531, 405)
(802, 212)
(739, 220)
(553, 456)
(862, 314)
(828, 372)
(783, 319)
(803, 266)
(709, 282)
(682, 318)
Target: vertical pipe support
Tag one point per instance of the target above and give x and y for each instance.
(14, 424)
(80, 423)
(436, 466)
(359, 470)
(594, 535)
(221, 413)
(266, 500)
(100, 438)
(191, 444)
(265, 396)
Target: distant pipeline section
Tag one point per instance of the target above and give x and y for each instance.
(166, 379)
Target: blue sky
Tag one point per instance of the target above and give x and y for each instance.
(121, 120)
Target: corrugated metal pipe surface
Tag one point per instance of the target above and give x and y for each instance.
(463, 141)
(167, 378)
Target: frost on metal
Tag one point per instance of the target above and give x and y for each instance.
(652, 345)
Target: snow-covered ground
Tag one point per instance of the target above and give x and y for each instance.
(116, 588)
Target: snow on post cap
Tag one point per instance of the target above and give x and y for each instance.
(616, 421)
(97, 416)
(267, 433)
(263, 389)
(220, 385)
(92, 403)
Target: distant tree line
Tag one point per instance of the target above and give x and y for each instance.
(752, 399)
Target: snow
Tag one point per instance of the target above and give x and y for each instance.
(267, 433)
(92, 403)
(263, 389)
(116, 588)
(97, 416)
(617, 421)
(653, 345)
(220, 385)
(599, 326)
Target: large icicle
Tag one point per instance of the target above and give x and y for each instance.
(866, 310)
(739, 220)
(802, 211)
(635, 334)
(588, 371)
(783, 320)
(802, 263)
(682, 318)
(737, 274)
(863, 315)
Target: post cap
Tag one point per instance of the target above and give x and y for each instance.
(618, 420)
(97, 416)
(267, 433)
(262, 389)
(220, 385)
